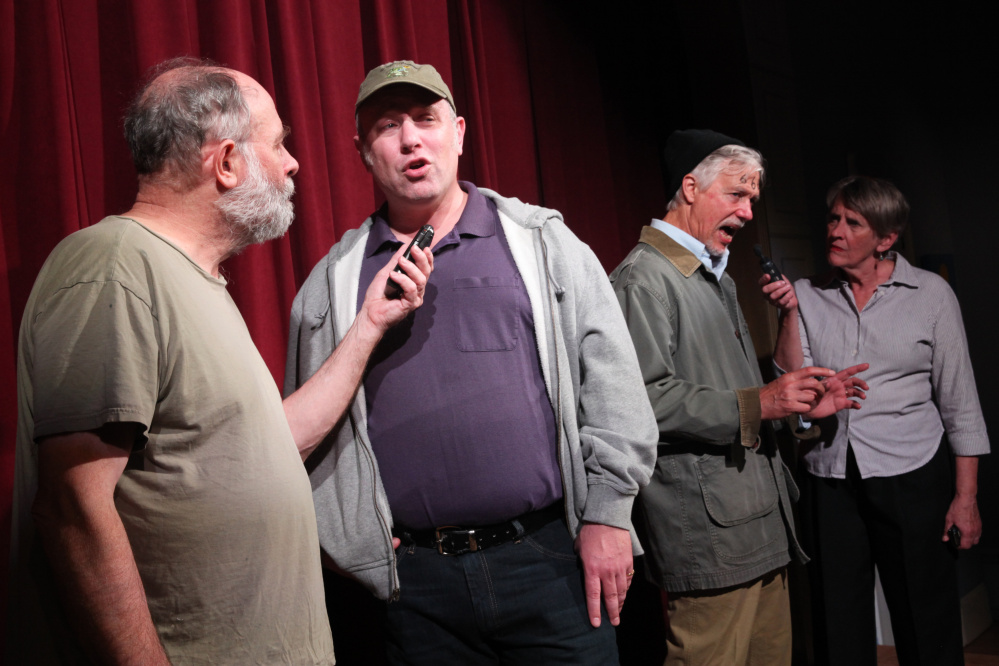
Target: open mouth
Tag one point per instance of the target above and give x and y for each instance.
(416, 165)
(728, 231)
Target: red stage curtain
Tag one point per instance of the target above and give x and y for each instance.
(524, 75)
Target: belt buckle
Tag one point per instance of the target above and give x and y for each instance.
(441, 533)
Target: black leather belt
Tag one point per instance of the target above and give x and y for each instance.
(454, 540)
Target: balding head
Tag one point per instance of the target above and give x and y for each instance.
(185, 104)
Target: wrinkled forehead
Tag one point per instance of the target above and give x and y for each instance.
(846, 210)
(741, 173)
(750, 177)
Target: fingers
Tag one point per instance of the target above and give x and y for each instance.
(606, 555)
(974, 531)
(963, 514)
(854, 387)
(417, 267)
(813, 371)
(780, 293)
(851, 383)
(796, 392)
(417, 270)
(614, 600)
(773, 291)
(971, 532)
(393, 279)
(593, 598)
(770, 287)
(857, 383)
(805, 389)
(854, 395)
(393, 295)
(424, 260)
(966, 544)
(614, 588)
(811, 379)
(967, 540)
(609, 587)
(629, 577)
(846, 373)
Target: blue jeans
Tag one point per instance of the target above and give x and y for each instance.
(517, 603)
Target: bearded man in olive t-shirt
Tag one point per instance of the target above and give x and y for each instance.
(162, 513)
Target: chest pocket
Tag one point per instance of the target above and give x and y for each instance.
(487, 310)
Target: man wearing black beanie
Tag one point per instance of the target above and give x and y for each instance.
(716, 514)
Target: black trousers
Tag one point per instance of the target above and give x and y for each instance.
(897, 523)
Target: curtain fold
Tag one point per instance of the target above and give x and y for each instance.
(8, 331)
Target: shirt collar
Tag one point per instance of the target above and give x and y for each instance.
(478, 218)
(380, 237)
(714, 265)
(903, 273)
(676, 254)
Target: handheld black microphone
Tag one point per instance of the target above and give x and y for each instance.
(767, 264)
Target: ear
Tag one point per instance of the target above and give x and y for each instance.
(460, 140)
(688, 186)
(224, 159)
(359, 147)
(885, 243)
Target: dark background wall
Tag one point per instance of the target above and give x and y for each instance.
(903, 91)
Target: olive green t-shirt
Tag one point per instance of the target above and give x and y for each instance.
(123, 327)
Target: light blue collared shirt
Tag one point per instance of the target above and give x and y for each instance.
(714, 264)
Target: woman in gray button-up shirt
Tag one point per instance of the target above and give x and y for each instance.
(880, 487)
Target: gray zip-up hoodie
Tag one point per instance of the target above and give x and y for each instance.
(607, 431)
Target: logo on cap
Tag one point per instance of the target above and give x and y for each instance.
(399, 70)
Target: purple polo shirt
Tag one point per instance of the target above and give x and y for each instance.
(458, 414)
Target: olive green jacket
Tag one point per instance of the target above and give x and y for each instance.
(717, 511)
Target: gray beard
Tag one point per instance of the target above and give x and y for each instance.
(256, 210)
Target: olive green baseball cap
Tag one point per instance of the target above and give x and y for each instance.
(403, 71)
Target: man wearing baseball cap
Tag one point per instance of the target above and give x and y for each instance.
(483, 479)
(716, 515)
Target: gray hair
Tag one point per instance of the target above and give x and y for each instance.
(881, 203)
(170, 120)
(732, 158)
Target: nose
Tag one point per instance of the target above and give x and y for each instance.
(290, 166)
(409, 135)
(746, 210)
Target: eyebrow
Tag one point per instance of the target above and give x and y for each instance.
(285, 133)
(848, 218)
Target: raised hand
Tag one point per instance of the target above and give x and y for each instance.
(842, 391)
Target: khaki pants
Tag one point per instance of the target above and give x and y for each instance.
(749, 625)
